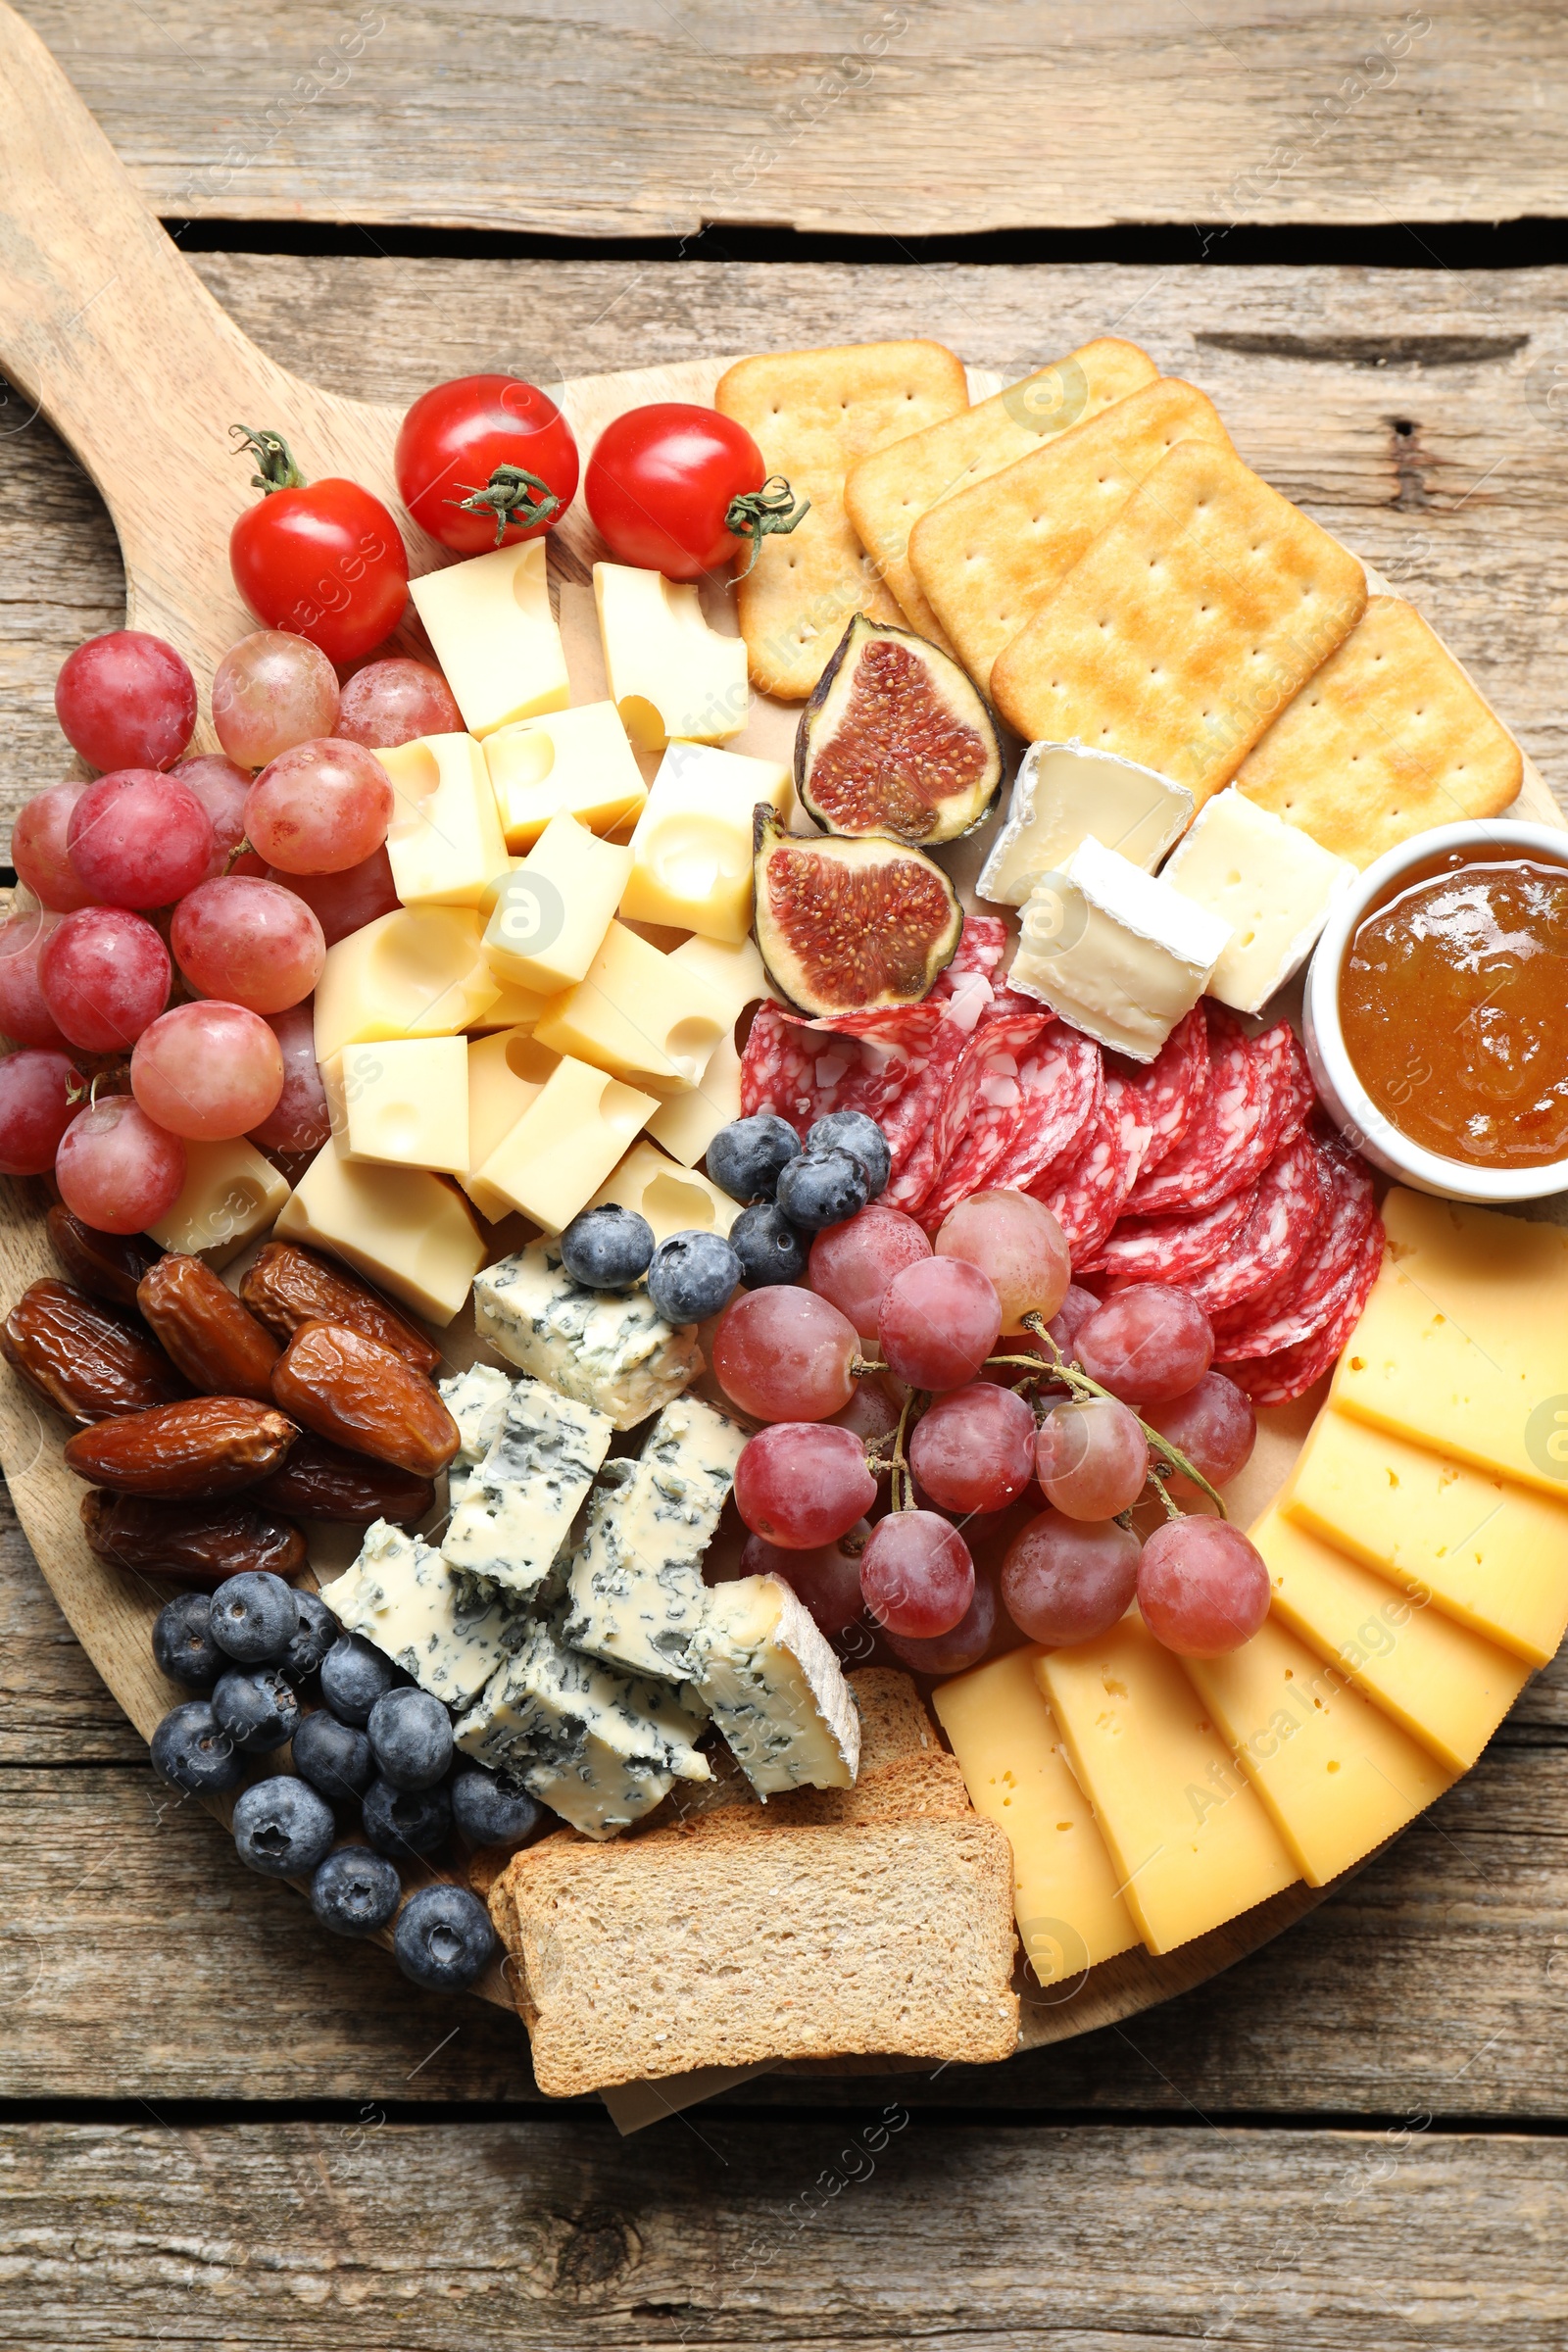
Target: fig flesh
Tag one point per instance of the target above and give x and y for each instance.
(850, 924)
(895, 739)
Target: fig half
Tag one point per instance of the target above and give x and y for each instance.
(895, 739)
(849, 924)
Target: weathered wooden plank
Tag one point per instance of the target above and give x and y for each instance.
(1421, 416)
(54, 1708)
(889, 2232)
(630, 118)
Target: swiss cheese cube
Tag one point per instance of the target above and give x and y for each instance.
(418, 972)
(231, 1193)
(506, 1073)
(1114, 950)
(1272, 883)
(731, 967)
(554, 910)
(495, 636)
(408, 1232)
(568, 1139)
(692, 848)
(576, 763)
(1062, 792)
(672, 1199)
(685, 1124)
(445, 841)
(670, 675)
(515, 1008)
(639, 1014)
(402, 1101)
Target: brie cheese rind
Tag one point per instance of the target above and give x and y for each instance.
(775, 1688)
(516, 1514)
(448, 1632)
(1271, 882)
(1064, 793)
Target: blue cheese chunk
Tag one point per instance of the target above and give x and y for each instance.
(775, 1688)
(444, 1630)
(636, 1581)
(609, 1349)
(476, 1400)
(516, 1508)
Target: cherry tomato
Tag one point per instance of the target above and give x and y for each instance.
(323, 559)
(485, 460)
(681, 490)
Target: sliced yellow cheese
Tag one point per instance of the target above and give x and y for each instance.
(639, 1014)
(576, 762)
(672, 1199)
(401, 1101)
(506, 1073)
(684, 1125)
(1069, 1910)
(568, 1139)
(231, 1193)
(1448, 1687)
(670, 675)
(1463, 1344)
(692, 848)
(495, 636)
(407, 1231)
(418, 972)
(445, 841)
(1189, 1839)
(1337, 1776)
(556, 906)
(1489, 1552)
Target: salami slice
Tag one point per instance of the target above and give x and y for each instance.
(778, 1068)
(1301, 1095)
(1322, 1277)
(1063, 1081)
(1170, 1248)
(1194, 1173)
(1169, 1088)
(1283, 1221)
(982, 945)
(981, 1110)
(1281, 1378)
(1085, 1193)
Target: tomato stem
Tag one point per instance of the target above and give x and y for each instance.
(755, 514)
(512, 495)
(272, 454)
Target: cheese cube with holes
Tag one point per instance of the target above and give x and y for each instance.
(692, 851)
(515, 1008)
(684, 1125)
(576, 763)
(401, 1100)
(670, 675)
(570, 1136)
(731, 967)
(1062, 792)
(672, 1199)
(1269, 881)
(445, 841)
(420, 972)
(495, 636)
(554, 910)
(231, 1193)
(404, 1230)
(506, 1072)
(1114, 950)
(640, 1016)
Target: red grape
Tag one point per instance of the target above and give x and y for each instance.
(222, 789)
(852, 1264)
(826, 1581)
(388, 702)
(270, 692)
(301, 1121)
(1214, 1425)
(126, 700)
(346, 902)
(1201, 1586)
(870, 1413)
(801, 1484)
(1067, 1580)
(319, 807)
(104, 974)
(41, 853)
(40, 1093)
(963, 1646)
(24, 1014)
(974, 1451)
(1019, 1243)
(140, 838)
(784, 1354)
(1147, 1344)
(1092, 1458)
(207, 1071)
(253, 943)
(939, 1322)
(916, 1574)
(116, 1170)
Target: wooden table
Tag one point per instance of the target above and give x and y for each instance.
(223, 2127)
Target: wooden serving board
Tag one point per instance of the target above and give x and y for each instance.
(113, 338)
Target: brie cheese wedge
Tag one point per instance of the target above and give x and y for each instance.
(1064, 794)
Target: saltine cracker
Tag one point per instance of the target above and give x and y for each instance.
(1187, 627)
(1388, 738)
(989, 557)
(888, 492)
(814, 414)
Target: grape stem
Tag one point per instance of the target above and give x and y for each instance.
(899, 1461)
(1081, 1385)
(513, 495)
(754, 513)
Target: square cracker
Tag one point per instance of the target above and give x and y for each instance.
(814, 414)
(1188, 625)
(889, 491)
(1388, 738)
(989, 557)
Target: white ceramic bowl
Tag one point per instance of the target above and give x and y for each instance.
(1370, 1129)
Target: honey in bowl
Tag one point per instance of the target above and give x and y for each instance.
(1453, 1008)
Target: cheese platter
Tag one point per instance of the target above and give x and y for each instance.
(713, 989)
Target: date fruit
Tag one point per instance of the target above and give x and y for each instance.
(89, 1361)
(322, 1480)
(351, 1390)
(195, 1452)
(200, 1542)
(216, 1343)
(108, 1265)
(288, 1287)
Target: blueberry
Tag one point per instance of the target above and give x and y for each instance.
(443, 1938)
(769, 1247)
(853, 1132)
(405, 1821)
(282, 1828)
(489, 1809)
(355, 1891)
(692, 1276)
(823, 1187)
(183, 1645)
(255, 1617)
(192, 1752)
(353, 1676)
(257, 1709)
(607, 1248)
(333, 1757)
(317, 1629)
(747, 1157)
(410, 1738)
